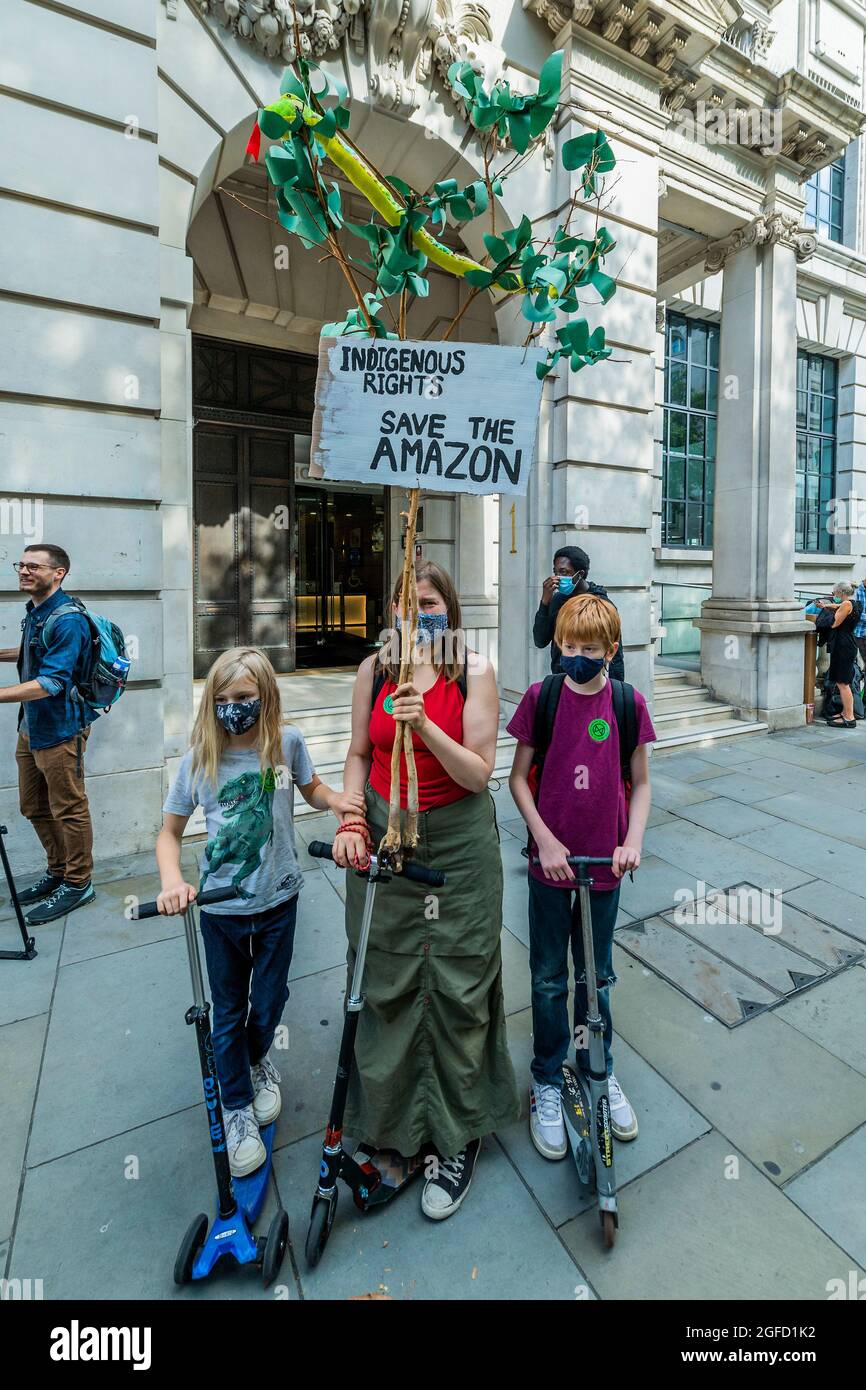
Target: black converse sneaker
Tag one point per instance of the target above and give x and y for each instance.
(444, 1192)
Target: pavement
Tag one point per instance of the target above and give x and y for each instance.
(739, 1039)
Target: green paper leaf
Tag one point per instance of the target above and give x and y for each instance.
(497, 247)
(519, 130)
(281, 165)
(479, 279)
(273, 125)
(539, 310)
(604, 284)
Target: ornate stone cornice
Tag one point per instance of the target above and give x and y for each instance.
(765, 230)
(404, 40)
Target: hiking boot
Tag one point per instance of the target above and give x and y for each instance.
(267, 1100)
(546, 1125)
(444, 1193)
(623, 1120)
(64, 899)
(244, 1143)
(42, 888)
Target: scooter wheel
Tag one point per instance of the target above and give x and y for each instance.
(275, 1246)
(608, 1229)
(321, 1221)
(189, 1247)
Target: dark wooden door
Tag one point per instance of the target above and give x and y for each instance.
(243, 508)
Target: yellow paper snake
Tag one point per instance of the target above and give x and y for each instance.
(377, 193)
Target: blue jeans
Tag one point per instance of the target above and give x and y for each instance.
(554, 920)
(248, 959)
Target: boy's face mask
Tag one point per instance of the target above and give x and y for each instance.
(237, 716)
(581, 669)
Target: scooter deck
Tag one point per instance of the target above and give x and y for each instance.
(576, 1112)
(395, 1171)
(250, 1191)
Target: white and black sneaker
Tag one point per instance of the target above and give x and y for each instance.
(444, 1192)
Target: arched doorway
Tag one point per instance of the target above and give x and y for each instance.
(297, 566)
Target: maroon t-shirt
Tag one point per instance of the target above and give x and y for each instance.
(582, 800)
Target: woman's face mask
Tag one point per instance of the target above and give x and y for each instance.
(428, 625)
(237, 716)
(581, 669)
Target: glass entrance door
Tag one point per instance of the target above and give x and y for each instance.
(339, 575)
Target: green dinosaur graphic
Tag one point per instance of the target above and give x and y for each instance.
(246, 802)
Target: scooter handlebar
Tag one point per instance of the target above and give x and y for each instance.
(580, 859)
(213, 895)
(434, 878)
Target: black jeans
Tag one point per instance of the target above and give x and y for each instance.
(554, 921)
(248, 961)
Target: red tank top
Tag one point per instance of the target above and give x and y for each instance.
(443, 704)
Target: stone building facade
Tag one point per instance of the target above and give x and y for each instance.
(158, 341)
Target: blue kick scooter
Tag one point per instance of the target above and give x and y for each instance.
(239, 1200)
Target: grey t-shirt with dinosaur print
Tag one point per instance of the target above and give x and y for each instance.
(251, 835)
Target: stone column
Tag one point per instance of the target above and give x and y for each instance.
(592, 485)
(751, 629)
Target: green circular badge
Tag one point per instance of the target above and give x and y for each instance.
(599, 730)
(388, 704)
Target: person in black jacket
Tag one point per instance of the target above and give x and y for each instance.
(570, 570)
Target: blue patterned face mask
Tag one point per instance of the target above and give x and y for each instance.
(581, 669)
(236, 716)
(428, 625)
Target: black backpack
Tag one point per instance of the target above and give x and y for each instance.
(624, 712)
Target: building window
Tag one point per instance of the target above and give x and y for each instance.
(816, 451)
(825, 200)
(689, 444)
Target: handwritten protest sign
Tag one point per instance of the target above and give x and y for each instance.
(440, 416)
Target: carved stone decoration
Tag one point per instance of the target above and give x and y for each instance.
(556, 13)
(766, 229)
(644, 32)
(760, 40)
(660, 318)
(404, 39)
(678, 87)
(666, 56)
(618, 19)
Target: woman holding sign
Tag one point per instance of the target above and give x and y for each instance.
(432, 1071)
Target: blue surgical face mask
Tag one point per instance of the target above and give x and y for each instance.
(428, 625)
(567, 583)
(237, 716)
(581, 669)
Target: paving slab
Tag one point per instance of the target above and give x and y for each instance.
(778, 1096)
(703, 854)
(320, 934)
(684, 767)
(103, 926)
(658, 817)
(800, 930)
(516, 981)
(728, 752)
(833, 1194)
(667, 1122)
(90, 1231)
(832, 1015)
(831, 904)
(812, 759)
(703, 1235)
(745, 927)
(793, 845)
(20, 1057)
(670, 794)
(712, 983)
(398, 1251)
(827, 813)
(27, 985)
(655, 887)
(314, 1020)
(727, 817)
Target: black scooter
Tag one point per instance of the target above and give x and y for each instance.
(239, 1200)
(381, 1173)
(28, 941)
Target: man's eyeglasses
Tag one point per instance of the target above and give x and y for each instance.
(23, 567)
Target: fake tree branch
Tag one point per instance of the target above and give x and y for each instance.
(394, 840)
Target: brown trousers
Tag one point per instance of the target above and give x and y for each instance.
(52, 797)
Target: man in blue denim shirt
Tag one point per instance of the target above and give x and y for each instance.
(51, 738)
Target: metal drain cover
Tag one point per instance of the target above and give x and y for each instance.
(738, 952)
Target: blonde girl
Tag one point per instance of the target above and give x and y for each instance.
(241, 769)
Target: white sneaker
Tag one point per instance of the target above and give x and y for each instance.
(623, 1120)
(243, 1142)
(267, 1101)
(546, 1125)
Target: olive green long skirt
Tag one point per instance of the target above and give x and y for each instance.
(431, 1061)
